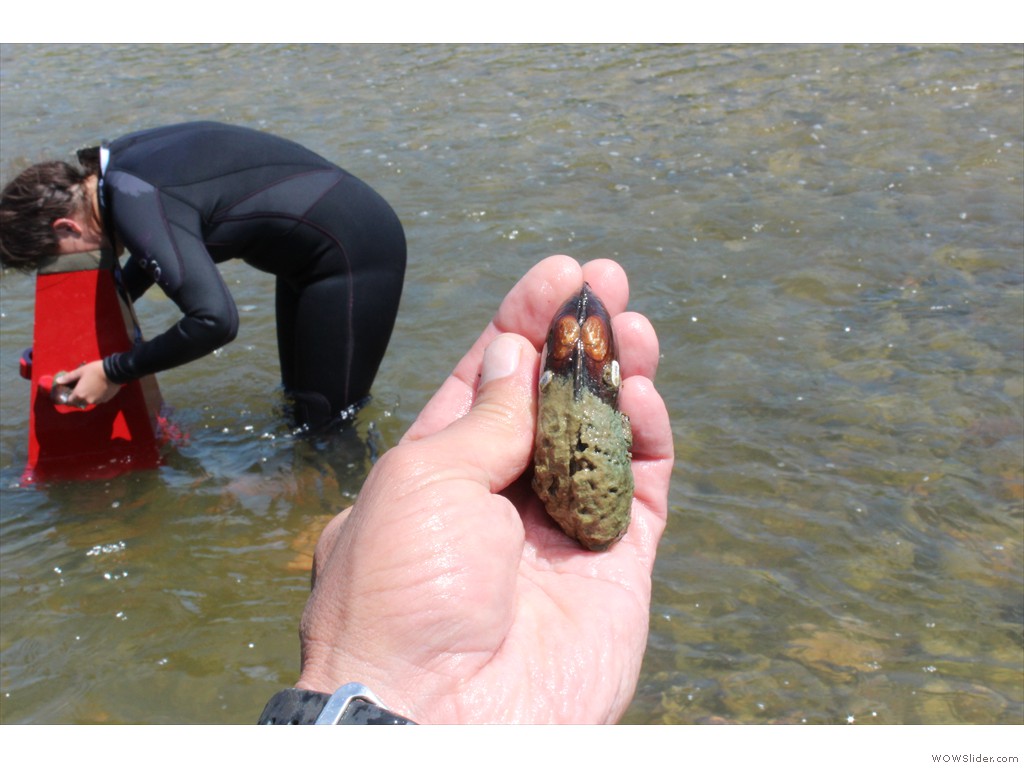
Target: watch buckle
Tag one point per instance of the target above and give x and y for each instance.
(335, 707)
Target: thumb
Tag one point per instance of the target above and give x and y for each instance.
(68, 377)
(489, 446)
(496, 435)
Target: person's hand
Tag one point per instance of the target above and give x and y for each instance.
(90, 385)
(447, 589)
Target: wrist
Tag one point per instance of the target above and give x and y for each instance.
(327, 666)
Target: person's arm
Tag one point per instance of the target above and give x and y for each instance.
(135, 279)
(164, 238)
(446, 588)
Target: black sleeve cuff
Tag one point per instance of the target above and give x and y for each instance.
(114, 371)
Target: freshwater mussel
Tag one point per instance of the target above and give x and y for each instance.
(582, 454)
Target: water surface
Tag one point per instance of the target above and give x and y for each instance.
(829, 242)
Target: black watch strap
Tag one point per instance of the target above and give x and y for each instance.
(352, 704)
(294, 706)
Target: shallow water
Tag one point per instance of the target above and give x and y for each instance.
(830, 243)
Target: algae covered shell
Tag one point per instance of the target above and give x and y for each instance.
(582, 469)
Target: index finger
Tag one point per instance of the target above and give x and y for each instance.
(524, 311)
(527, 311)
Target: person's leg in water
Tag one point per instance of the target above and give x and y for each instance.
(336, 347)
(333, 330)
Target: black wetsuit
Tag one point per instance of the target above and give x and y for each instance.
(185, 197)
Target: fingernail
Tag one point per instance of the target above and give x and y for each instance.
(501, 359)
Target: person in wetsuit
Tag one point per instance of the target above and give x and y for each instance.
(184, 198)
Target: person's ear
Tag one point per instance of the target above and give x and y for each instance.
(65, 227)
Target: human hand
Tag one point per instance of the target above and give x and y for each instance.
(447, 589)
(90, 385)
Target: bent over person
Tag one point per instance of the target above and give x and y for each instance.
(182, 199)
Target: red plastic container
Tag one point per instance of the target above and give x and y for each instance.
(80, 317)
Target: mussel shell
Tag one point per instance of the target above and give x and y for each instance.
(582, 470)
(581, 345)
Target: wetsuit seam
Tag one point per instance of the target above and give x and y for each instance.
(225, 213)
(350, 340)
(298, 218)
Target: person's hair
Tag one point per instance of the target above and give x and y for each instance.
(30, 204)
